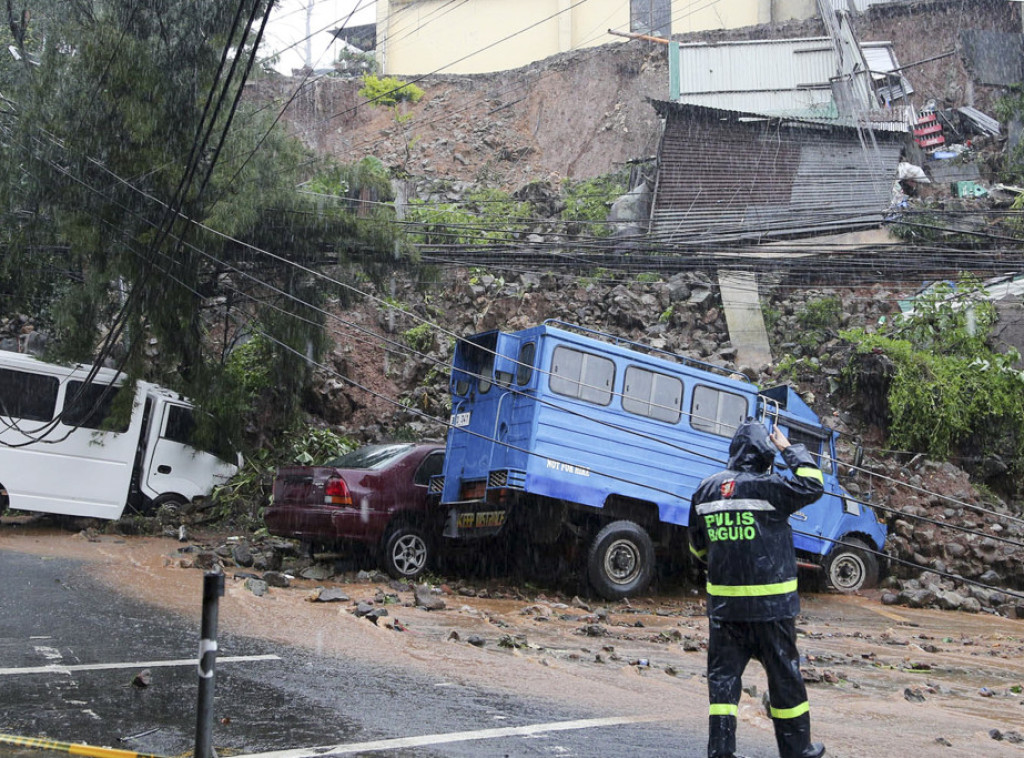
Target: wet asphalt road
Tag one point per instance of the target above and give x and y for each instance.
(52, 614)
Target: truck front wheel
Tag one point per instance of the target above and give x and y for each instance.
(621, 560)
(851, 566)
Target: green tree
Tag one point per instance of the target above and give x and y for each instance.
(150, 214)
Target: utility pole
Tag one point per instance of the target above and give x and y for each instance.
(309, 32)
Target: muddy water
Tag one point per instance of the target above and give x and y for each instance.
(645, 657)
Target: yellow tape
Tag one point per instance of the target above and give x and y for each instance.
(73, 748)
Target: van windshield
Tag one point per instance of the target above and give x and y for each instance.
(370, 456)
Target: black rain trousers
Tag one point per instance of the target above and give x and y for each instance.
(731, 645)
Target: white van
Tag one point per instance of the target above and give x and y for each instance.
(55, 458)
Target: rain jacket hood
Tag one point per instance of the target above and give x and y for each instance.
(751, 449)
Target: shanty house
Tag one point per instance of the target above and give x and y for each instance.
(727, 177)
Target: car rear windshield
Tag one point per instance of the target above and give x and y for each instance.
(370, 456)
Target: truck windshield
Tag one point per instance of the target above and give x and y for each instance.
(817, 447)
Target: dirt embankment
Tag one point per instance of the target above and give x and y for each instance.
(581, 114)
(575, 116)
(934, 683)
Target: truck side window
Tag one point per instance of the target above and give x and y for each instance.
(524, 371)
(648, 393)
(582, 375)
(27, 396)
(180, 424)
(486, 378)
(717, 412)
(88, 406)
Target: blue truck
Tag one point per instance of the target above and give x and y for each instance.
(581, 451)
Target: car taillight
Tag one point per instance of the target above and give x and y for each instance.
(336, 492)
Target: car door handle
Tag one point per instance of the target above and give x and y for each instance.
(163, 469)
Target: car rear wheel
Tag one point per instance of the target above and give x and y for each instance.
(851, 566)
(406, 552)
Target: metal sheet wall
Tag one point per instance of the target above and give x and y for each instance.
(723, 179)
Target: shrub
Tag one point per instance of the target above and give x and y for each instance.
(388, 92)
(950, 394)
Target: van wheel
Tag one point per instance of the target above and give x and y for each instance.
(851, 566)
(621, 560)
(168, 507)
(406, 552)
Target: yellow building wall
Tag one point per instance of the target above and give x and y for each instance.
(416, 37)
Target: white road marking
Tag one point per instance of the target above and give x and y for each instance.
(440, 739)
(57, 669)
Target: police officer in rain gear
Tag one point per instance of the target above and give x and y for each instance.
(739, 526)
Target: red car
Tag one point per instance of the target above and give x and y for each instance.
(374, 496)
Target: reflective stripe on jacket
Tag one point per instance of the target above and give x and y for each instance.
(739, 524)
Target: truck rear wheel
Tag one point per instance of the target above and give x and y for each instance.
(621, 560)
(851, 566)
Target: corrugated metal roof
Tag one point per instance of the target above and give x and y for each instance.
(730, 177)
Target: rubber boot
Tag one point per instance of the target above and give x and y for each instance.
(721, 736)
(793, 737)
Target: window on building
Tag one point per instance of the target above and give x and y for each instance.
(653, 17)
(585, 376)
(716, 411)
(647, 393)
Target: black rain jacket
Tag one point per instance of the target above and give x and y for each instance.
(739, 525)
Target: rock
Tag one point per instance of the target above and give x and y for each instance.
(514, 642)
(917, 598)
(142, 679)
(991, 578)
(332, 595)
(949, 601)
(970, 605)
(207, 560)
(258, 587)
(913, 695)
(811, 675)
(426, 599)
(276, 579)
(476, 640)
(241, 554)
(317, 573)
